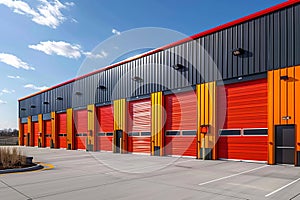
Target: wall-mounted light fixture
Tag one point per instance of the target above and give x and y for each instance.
(285, 78)
(78, 93)
(238, 51)
(59, 98)
(23, 109)
(178, 66)
(46, 102)
(137, 79)
(101, 87)
(32, 106)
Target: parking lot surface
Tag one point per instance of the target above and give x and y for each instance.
(104, 175)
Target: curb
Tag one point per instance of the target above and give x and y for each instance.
(27, 169)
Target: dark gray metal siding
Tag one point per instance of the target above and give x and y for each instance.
(270, 42)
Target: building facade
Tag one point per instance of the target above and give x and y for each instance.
(232, 92)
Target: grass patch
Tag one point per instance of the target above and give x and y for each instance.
(12, 158)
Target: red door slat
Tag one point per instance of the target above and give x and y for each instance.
(62, 130)
(48, 132)
(105, 124)
(246, 107)
(181, 112)
(139, 120)
(243, 147)
(36, 133)
(81, 128)
(25, 128)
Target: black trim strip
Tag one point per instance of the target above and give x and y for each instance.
(243, 79)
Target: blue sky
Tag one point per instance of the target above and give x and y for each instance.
(45, 42)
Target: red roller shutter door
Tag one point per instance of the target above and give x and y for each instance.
(48, 132)
(62, 130)
(81, 128)
(139, 126)
(36, 133)
(181, 118)
(247, 107)
(105, 128)
(25, 128)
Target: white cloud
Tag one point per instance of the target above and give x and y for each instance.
(14, 61)
(3, 102)
(70, 4)
(34, 87)
(116, 32)
(102, 54)
(6, 91)
(13, 77)
(47, 13)
(65, 49)
(60, 48)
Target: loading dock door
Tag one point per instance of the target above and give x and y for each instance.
(105, 128)
(139, 126)
(48, 132)
(36, 133)
(285, 144)
(25, 128)
(244, 134)
(81, 128)
(181, 124)
(62, 130)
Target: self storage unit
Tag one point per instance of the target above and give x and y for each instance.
(227, 93)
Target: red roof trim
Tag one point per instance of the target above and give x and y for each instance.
(210, 31)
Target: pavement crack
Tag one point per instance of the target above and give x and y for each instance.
(18, 191)
(294, 197)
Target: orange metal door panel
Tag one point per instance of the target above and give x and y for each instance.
(181, 145)
(243, 147)
(247, 105)
(80, 141)
(105, 119)
(105, 143)
(81, 127)
(181, 112)
(48, 132)
(36, 133)
(25, 128)
(139, 120)
(139, 144)
(105, 125)
(139, 115)
(62, 130)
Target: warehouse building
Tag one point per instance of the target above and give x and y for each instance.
(232, 92)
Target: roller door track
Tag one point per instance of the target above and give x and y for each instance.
(81, 128)
(105, 128)
(36, 133)
(62, 130)
(139, 126)
(48, 131)
(181, 124)
(246, 107)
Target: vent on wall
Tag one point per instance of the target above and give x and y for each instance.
(101, 87)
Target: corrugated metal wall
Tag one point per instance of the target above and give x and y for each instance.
(271, 42)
